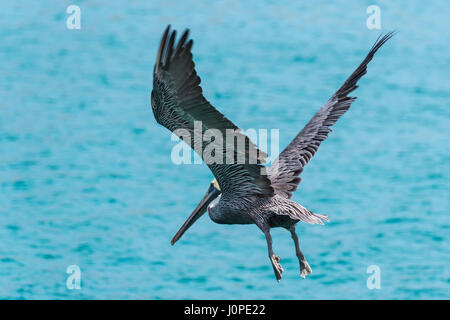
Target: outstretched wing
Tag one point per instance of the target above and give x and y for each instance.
(285, 170)
(178, 104)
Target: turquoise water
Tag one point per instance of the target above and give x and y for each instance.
(86, 176)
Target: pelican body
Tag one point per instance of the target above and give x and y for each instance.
(244, 192)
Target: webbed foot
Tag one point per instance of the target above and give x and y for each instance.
(277, 268)
(305, 269)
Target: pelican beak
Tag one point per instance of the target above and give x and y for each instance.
(201, 208)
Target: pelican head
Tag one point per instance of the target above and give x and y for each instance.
(212, 193)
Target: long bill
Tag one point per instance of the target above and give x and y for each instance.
(201, 208)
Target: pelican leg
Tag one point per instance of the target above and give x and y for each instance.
(305, 269)
(274, 259)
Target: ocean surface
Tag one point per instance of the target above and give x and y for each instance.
(86, 176)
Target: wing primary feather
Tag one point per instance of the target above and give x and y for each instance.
(169, 49)
(350, 84)
(181, 42)
(162, 46)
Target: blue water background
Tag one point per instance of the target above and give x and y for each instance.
(86, 176)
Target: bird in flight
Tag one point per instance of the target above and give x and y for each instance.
(244, 191)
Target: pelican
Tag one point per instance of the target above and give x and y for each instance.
(244, 192)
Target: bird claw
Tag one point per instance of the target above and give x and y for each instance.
(305, 269)
(277, 268)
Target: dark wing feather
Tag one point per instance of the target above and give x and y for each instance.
(285, 170)
(177, 102)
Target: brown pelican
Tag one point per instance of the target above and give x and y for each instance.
(243, 192)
